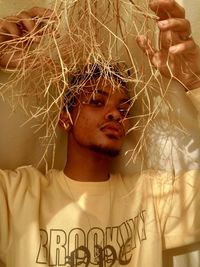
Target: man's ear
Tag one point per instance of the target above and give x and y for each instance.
(65, 121)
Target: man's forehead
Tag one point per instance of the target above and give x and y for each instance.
(104, 86)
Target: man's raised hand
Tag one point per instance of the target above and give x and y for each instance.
(178, 55)
(21, 28)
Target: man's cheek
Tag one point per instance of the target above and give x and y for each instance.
(126, 126)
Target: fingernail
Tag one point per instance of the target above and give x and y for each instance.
(173, 49)
(141, 39)
(163, 23)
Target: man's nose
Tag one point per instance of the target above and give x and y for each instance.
(113, 114)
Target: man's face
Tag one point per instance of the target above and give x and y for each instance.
(100, 117)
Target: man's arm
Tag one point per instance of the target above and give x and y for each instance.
(24, 28)
(178, 55)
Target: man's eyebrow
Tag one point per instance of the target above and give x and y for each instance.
(102, 92)
(122, 101)
(125, 100)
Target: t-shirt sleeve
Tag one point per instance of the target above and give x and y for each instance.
(179, 210)
(4, 215)
(14, 186)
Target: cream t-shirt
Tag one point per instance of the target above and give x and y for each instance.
(54, 221)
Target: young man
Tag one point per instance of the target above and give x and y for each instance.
(83, 215)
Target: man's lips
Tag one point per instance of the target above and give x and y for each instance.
(113, 129)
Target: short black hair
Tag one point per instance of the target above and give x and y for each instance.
(118, 72)
(95, 70)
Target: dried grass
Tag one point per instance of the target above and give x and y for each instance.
(81, 33)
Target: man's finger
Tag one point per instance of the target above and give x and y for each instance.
(26, 23)
(145, 44)
(30, 19)
(180, 26)
(167, 8)
(9, 29)
(175, 24)
(184, 47)
(41, 12)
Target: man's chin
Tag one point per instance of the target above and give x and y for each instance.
(110, 152)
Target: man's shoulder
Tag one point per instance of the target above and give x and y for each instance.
(161, 177)
(25, 180)
(22, 175)
(146, 174)
(145, 177)
(22, 170)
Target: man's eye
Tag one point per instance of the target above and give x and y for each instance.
(96, 102)
(124, 112)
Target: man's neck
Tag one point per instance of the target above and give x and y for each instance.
(86, 165)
